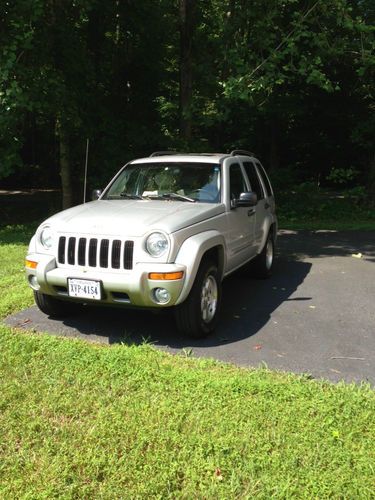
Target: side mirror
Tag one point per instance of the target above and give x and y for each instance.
(96, 194)
(248, 199)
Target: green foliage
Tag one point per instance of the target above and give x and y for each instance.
(306, 206)
(342, 176)
(291, 80)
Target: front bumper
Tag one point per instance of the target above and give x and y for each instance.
(126, 287)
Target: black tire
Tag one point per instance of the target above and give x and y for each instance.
(54, 307)
(262, 265)
(198, 315)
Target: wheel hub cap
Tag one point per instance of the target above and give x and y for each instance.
(209, 299)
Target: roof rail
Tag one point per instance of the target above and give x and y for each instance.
(236, 152)
(163, 153)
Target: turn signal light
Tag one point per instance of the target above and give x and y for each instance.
(166, 276)
(31, 264)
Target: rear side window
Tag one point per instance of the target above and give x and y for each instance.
(254, 179)
(237, 181)
(265, 180)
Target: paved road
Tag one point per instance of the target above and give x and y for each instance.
(316, 315)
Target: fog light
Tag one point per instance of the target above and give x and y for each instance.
(34, 282)
(161, 295)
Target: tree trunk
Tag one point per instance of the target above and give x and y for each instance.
(186, 76)
(64, 160)
(371, 181)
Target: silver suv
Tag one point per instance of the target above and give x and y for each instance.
(164, 233)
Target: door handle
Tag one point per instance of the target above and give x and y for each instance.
(250, 212)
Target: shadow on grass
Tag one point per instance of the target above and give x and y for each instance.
(28, 205)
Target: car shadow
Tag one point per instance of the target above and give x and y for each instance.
(247, 306)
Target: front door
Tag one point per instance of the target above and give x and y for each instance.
(240, 222)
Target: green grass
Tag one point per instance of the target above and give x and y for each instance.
(14, 294)
(309, 208)
(79, 420)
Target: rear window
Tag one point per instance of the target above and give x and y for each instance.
(265, 180)
(254, 179)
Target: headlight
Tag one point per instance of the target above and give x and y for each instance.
(47, 237)
(157, 244)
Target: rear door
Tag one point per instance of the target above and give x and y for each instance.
(263, 205)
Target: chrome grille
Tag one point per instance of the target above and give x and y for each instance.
(94, 252)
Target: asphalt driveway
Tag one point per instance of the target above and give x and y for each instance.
(316, 315)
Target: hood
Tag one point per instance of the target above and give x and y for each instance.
(132, 217)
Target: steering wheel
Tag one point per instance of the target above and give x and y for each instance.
(206, 194)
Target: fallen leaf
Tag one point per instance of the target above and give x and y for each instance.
(357, 255)
(312, 307)
(218, 474)
(24, 322)
(257, 347)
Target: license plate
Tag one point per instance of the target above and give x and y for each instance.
(84, 289)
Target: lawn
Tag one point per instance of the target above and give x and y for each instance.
(307, 207)
(79, 420)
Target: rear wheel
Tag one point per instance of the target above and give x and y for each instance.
(198, 315)
(53, 307)
(262, 265)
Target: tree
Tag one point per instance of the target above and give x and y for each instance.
(80, 69)
(187, 8)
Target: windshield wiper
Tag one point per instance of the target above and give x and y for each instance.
(131, 196)
(175, 196)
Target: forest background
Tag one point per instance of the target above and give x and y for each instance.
(291, 80)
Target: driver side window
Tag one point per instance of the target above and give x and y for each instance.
(237, 181)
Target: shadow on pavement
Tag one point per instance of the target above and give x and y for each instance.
(301, 244)
(247, 306)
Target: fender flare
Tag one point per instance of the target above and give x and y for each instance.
(191, 253)
(270, 224)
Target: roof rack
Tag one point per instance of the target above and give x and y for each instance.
(236, 152)
(163, 153)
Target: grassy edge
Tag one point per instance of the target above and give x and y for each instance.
(62, 398)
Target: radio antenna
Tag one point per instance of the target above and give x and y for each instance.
(86, 162)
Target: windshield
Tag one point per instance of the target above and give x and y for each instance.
(181, 181)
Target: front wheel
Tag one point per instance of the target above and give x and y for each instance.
(198, 315)
(53, 307)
